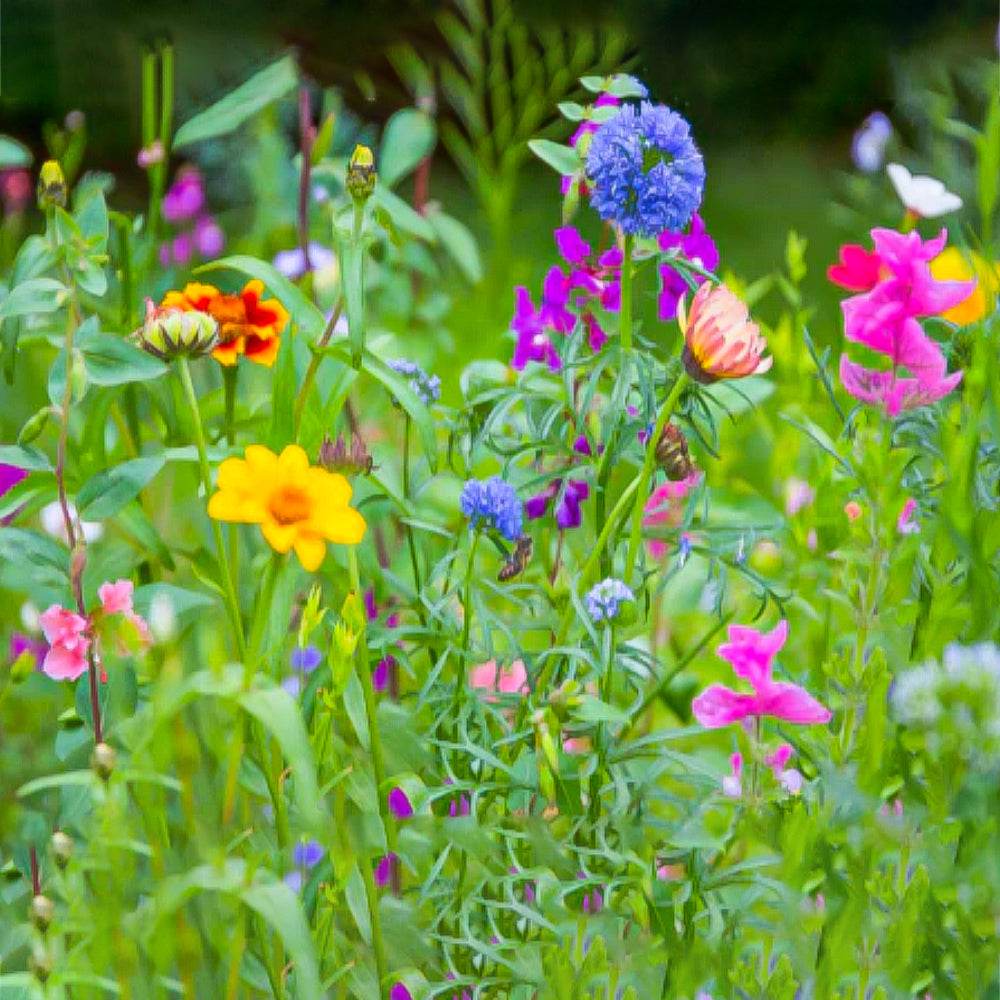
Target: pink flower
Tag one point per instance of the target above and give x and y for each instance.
(66, 633)
(906, 523)
(894, 393)
(208, 237)
(505, 680)
(150, 155)
(750, 653)
(665, 509)
(791, 779)
(798, 495)
(853, 510)
(116, 599)
(859, 269)
(732, 784)
(185, 198)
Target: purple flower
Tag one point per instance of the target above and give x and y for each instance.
(385, 869)
(605, 599)
(305, 856)
(568, 510)
(185, 198)
(869, 142)
(593, 899)
(306, 659)
(182, 248)
(533, 343)
(292, 263)
(399, 804)
(208, 237)
(696, 246)
(21, 643)
(493, 504)
(399, 992)
(587, 128)
(10, 476)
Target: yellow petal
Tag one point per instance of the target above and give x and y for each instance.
(346, 528)
(293, 461)
(311, 549)
(235, 507)
(280, 537)
(263, 464)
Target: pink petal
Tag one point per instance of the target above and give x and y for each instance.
(750, 652)
(116, 598)
(719, 706)
(792, 704)
(63, 663)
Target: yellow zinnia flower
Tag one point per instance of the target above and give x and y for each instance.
(953, 264)
(296, 506)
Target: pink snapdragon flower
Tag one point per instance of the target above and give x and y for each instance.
(116, 599)
(907, 523)
(67, 636)
(751, 654)
(665, 509)
(789, 778)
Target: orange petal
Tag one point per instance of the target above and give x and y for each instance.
(229, 354)
(262, 352)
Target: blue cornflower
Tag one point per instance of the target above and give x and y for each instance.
(646, 173)
(604, 600)
(427, 387)
(493, 504)
(305, 856)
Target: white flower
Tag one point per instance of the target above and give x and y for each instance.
(54, 524)
(162, 618)
(29, 617)
(924, 196)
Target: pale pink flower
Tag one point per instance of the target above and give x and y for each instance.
(789, 778)
(116, 598)
(665, 509)
(503, 680)
(906, 523)
(798, 495)
(150, 155)
(732, 784)
(751, 653)
(852, 509)
(66, 633)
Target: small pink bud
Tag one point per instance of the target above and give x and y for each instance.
(853, 510)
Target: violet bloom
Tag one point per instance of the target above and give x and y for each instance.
(399, 992)
(185, 198)
(751, 653)
(696, 246)
(10, 476)
(20, 644)
(907, 523)
(208, 237)
(869, 142)
(292, 263)
(305, 857)
(384, 675)
(593, 899)
(304, 661)
(399, 804)
(386, 869)
(568, 510)
(533, 343)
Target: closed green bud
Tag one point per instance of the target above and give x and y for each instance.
(312, 615)
(175, 333)
(61, 845)
(345, 641)
(361, 175)
(103, 761)
(41, 963)
(78, 377)
(34, 427)
(51, 186)
(353, 613)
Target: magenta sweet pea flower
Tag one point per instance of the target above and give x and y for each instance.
(533, 343)
(569, 513)
(907, 523)
(751, 654)
(859, 269)
(696, 246)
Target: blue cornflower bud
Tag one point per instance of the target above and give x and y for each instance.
(605, 599)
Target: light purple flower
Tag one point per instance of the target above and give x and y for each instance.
(185, 198)
(869, 142)
(208, 237)
(906, 523)
(568, 510)
(292, 263)
(385, 869)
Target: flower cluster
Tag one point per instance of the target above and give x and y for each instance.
(70, 635)
(493, 504)
(751, 654)
(955, 703)
(896, 287)
(426, 387)
(588, 283)
(645, 171)
(605, 599)
(184, 208)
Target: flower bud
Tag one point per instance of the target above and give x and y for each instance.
(78, 377)
(175, 333)
(35, 425)
(672, 454)
(41, 912)
(334, 456)
(103, 761)
(61, 845)
(354, 614)
(361, 175)
(312, 615)
(51, 186)
(41, 963)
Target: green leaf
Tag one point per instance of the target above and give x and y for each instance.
(107, 492)
(354, 705)
(357, 902)
(75, 779)
(408, 138)
(112, 361)
(37, 295)
(402, 215)
(594, 710)
(573, 111)
(22, 457)
(321, 144)
(28, 547)
(13, 153)
(304, 314)
(563, 159)
(238, 106)
(283, 397)
(181, 599)
(460, 244)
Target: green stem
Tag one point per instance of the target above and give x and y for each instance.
(228, 588)
(410, 541)
(378, 944)
(262, 616)
(314, 363)
(646, 475)
(467, 599)
(626, 304)
(371, 709)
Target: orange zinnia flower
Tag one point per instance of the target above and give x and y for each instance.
(720, 340)
(247, 325)
(296, 505)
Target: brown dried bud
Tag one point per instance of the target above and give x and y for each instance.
(672, 454)
(103, 761)
(41, 912)
(62, 848)
(334, 456)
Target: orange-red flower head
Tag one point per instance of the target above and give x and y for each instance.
(720, 340)
(296, 505)
(248, 324)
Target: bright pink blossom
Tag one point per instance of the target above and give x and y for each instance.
(66, 633)
(859, 269)
(906, 523)
(751, 654)
(893, 392)
(665, 509)
(116, 599)
(505, 680)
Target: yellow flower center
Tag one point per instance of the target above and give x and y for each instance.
(290, 506)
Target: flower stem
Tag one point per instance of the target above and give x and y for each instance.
(414, 562)
(374, 738)
(646, 474)
(229, 590)
(467, 598)
(314, 363)
(626, 310)
(378, 944)
(261, 615)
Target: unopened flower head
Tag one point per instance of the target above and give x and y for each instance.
(426, 387)
(604, 600)
(169, 333)
(720, 340)
(493, 504)
(52, 190)
(361, 175)
(646, 174)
